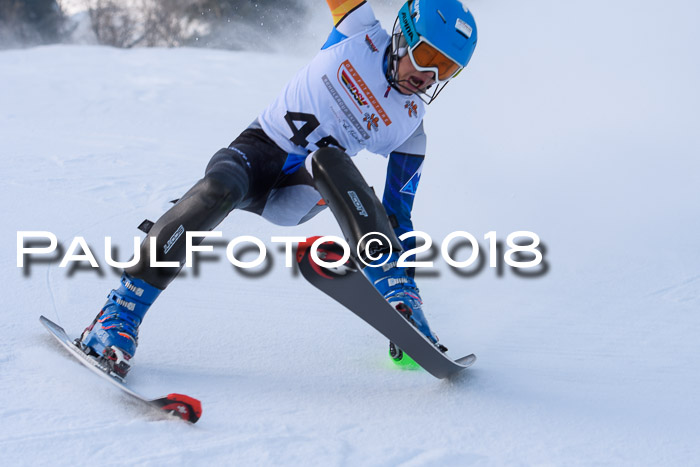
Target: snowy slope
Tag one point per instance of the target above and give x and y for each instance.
(578, 122)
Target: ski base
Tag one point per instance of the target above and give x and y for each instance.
(185, 407)
(348, 286)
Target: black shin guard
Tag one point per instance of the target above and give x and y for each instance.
(202, 208)
(353, 203)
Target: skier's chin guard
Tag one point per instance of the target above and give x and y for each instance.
(357, 209)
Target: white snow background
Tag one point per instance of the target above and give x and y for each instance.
(575, 120)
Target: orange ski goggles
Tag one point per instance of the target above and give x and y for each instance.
(426, 57)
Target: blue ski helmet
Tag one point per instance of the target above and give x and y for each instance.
(438, 36)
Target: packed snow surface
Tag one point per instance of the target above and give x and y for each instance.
(574, 121)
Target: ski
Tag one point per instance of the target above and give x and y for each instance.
(348, 286)
(184, 407)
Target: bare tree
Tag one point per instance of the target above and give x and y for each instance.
(144, 22)
(113, 24)
(173, 23)
(166, 22)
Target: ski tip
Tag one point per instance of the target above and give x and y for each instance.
(304, 246)
(467, 361)
(186, 407)
(50, 325)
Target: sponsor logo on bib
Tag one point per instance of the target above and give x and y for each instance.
(359, 92)
(412, 108)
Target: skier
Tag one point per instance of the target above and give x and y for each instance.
(365, 89)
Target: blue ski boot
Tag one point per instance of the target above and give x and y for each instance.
(113, 335)
(400, 290)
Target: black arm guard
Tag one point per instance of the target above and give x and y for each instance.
(353, 203)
